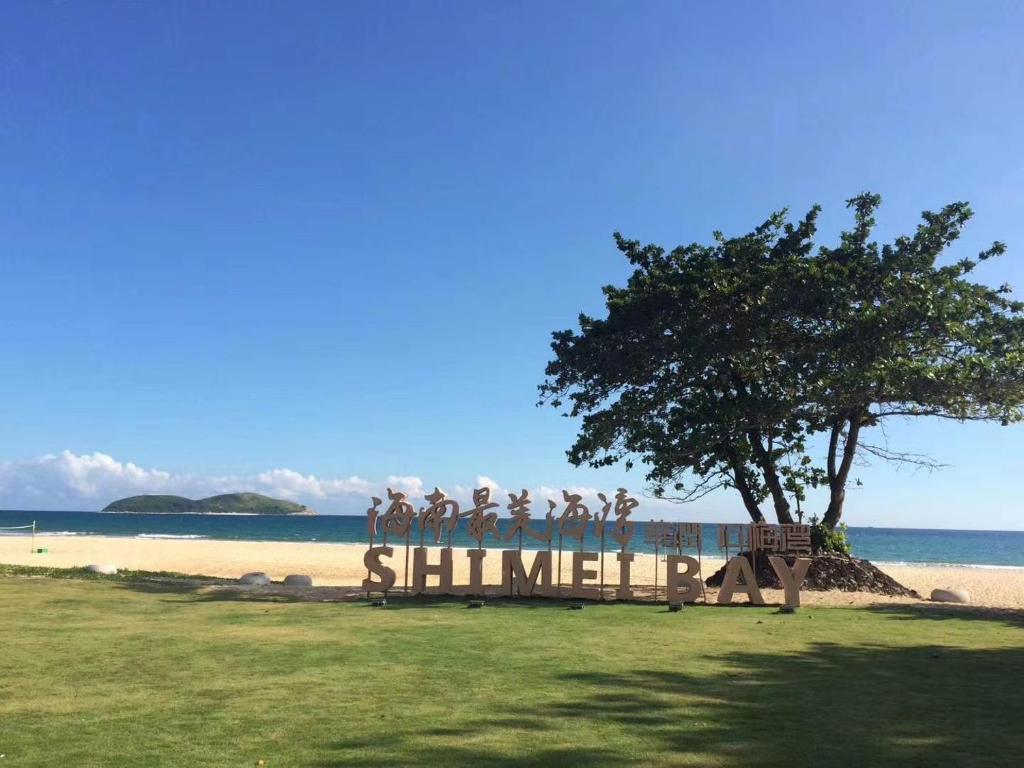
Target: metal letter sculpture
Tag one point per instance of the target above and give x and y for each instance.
(683, 582)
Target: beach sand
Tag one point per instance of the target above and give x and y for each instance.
(342, 565)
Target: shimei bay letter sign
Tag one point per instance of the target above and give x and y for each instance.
(426, 536)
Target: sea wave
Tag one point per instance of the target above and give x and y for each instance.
(50, 533)
(170, 536)
(989, 566)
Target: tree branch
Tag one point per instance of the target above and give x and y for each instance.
(919, 460)
(707, 485)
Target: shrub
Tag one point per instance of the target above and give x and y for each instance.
(828, 541)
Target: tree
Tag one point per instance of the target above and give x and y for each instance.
(685, 371)
(719, 362)
(899, 336)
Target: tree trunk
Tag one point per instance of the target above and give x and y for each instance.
(838, 476)
(744, 488)
(764, 461)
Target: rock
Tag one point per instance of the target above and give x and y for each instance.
(827, 572)
(256, 579)
(106, 569)
(298, 580)
(951, 595)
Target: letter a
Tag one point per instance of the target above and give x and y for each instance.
(733, 569)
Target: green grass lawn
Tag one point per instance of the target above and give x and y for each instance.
(111, 673)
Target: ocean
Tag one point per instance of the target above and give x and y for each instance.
(882, 545)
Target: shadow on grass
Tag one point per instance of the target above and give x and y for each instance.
(160, 587)
(221, 590)
(1013, 617)
(491, 602)
(830, 705)
(201, 592)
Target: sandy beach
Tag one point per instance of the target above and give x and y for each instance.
(342, 565)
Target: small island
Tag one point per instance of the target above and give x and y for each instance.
(224, 504)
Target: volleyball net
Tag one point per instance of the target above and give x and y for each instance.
(31, 529)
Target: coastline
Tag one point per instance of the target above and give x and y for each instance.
(883, 564)
(203, 514)
(341, 565)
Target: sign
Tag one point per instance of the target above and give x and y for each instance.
(538, 573)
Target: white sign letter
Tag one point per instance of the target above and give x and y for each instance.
(579, 574)
(373, 564)
(734, 568)
(682, 586)
(791, 580)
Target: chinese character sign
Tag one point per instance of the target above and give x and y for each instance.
(440, 516)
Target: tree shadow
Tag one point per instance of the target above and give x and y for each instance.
(367, 755)
(199, 592)
(161, 587)
(230, 591)
(1013, 617)
(830, 705)
(490, 602)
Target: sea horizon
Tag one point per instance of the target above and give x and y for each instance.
(883, 545)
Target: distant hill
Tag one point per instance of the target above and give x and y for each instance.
(225, 504)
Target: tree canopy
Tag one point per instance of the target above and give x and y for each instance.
(718, 363)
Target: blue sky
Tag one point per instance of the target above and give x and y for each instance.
(333, 238)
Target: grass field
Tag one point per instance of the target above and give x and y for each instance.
(111, 673)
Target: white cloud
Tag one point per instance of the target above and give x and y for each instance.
(66, 477)
(586, 491)
(483, 481)
(289, 484)
(409, 484)
(91, 481)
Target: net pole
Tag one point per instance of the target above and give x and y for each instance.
(33, 544)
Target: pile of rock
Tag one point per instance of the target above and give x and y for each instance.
(826, 573)
(260, 579)
(951, 595)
